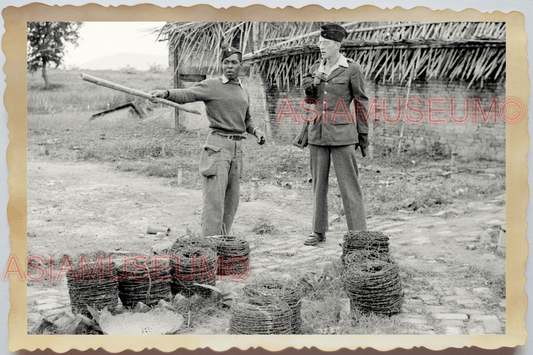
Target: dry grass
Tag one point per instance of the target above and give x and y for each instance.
(153, 147)
(69, 93)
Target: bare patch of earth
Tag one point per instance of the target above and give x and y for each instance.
(451, 274)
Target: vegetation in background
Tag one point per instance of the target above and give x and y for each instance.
(70, 94)
(46, 44)
(59, 127)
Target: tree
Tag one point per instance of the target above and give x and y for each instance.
(46, 44)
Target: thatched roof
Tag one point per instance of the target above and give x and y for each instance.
(200, 42)
(393, 52)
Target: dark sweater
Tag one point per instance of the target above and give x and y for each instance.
(227, 104)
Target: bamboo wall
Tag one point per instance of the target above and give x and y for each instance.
(473, 140)
(469, 140)
(398, 63)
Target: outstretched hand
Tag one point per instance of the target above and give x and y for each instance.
(159, 94)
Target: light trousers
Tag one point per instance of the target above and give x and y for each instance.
(221, 168)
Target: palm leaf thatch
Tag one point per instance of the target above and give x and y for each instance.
(282, 52)
(200, 42)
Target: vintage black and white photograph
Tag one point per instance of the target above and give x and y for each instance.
(267, 178)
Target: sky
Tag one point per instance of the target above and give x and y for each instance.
(100, 39)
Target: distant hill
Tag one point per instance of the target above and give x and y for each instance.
(122, 60)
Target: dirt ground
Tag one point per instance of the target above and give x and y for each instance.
(88, 206)
(448, 259)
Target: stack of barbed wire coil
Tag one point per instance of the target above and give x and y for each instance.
(144, 282)
(199, 242)
(98, 290)
(191, 265)
(373, 286)
(362, 256)
(233, 256)
(371, 244)
(267, 290)
(270, 318)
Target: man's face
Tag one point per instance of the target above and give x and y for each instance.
(231, 66)
(328, 48)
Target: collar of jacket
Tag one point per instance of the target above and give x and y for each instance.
(226, 80)
(341, 62)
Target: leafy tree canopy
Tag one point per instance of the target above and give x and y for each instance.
(46, 43)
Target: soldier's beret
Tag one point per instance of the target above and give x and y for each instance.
(333, 31)
(229, 51)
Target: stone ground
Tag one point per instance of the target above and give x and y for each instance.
(447, 306)
(445, 261)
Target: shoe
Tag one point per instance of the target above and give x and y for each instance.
(315, 238)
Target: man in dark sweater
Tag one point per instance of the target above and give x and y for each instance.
(227, 105)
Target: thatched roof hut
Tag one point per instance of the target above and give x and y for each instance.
(458, 61)
(394, 51)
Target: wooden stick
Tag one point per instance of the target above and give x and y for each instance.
(127, 90)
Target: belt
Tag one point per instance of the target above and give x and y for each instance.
(233, 137)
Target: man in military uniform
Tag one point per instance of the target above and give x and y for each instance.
(227, 105)
(334, 135)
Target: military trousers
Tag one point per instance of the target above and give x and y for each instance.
(345, 165)
(221, 168)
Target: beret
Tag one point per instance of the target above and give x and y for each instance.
(229, 51)
(333, 31)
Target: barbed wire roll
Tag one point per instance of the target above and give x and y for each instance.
(374, 286)
(271, 318)
(362, 256)
(375, 244)
(98, 290)
(190, 265)
(268, 290)
(230, 247)
(148, 286)
(190, 242)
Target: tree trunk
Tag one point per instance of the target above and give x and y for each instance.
(45, 77)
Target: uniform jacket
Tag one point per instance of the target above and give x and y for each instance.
(335, 96)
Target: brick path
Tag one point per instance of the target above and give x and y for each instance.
(442, 308)
(439, 257)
